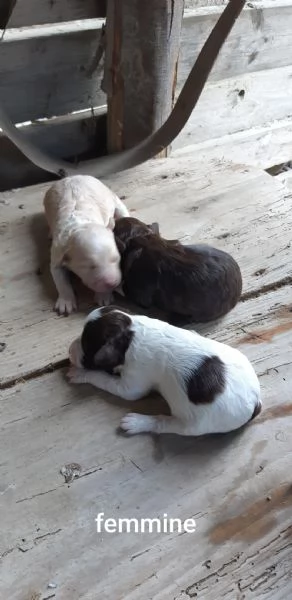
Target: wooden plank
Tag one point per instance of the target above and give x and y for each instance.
(198, 3)
(48, 62)
(211, 3)
(51, 71)
(40, 12)
(220, 203)
(286, 178)
(242, 103)
(75, 136)
(237, 487)
(258, 41)
(266, 100)
(261, 147)
(263, 139)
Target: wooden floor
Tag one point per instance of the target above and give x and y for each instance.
(237, 486)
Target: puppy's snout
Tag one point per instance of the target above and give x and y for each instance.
(112, 283)
(108, 283)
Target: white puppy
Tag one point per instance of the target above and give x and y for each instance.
(210, 387)
(81, 213)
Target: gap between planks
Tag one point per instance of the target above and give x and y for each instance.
(223, 480)
(224, 204)
(61, 364)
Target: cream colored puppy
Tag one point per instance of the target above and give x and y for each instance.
(81, 213)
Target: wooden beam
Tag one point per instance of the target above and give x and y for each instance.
(141, 64)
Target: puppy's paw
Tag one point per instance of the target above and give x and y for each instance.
(76, 375)
(103, 299)
(65, 306)
(134, 423)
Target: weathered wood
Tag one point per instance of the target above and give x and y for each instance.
(51, 71)
(140, 70)
(258, 41)
(210, 3)
(61, 57)
(261, 147)
(286, 178)
(236, 486)
(266, 100)
(40, 12)
(239, 104)
(157, 140)
(198, 3)
(230, 206)
(73, 137)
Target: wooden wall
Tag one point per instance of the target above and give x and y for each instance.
(49, 72)
(40, 12)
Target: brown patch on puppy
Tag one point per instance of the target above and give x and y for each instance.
(105, 340)
(206, 382)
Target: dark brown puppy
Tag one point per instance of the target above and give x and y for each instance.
(190, 283)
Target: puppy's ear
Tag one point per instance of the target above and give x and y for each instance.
(154, 228)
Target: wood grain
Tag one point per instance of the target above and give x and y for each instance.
(57, 60)
(262, 146)
(258, 41)
(142, 53)
(233, 207)
(40, 12)
(49, 71)
(254, 128)
(286, 178)
(236, 486)
(239, 104)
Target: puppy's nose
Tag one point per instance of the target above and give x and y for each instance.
(112, 283)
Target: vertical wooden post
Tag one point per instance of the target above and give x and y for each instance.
(142, 48)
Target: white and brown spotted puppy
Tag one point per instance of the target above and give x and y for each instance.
(210, 387)
(81, 213)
